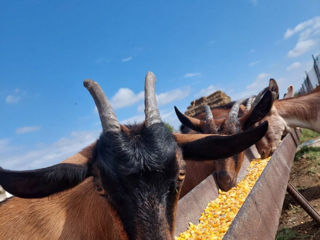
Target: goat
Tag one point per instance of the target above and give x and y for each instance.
(226, 171)
(290, 92)
(124, 186)
(221, 113)
(301, 111)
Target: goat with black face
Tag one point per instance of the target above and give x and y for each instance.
(125, 186)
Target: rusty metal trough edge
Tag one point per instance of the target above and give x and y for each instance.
(258, 217)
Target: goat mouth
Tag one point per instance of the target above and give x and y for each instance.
(226, 187)
(224, 184)
(264, 154)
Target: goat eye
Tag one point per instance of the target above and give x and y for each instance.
(182, 175)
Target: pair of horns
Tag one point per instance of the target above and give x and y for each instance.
(108, 118)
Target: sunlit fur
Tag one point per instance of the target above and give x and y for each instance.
(117, 200)
(302, 111)
(133, 193)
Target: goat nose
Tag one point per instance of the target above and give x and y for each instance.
(224, 176)
(225, 181)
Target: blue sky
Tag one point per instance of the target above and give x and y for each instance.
(194, 47)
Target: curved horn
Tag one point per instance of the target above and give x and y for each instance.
(190, 122)
(233, 123)
(151, 108)
(258, 97)
(210, 125)
(249, 102)
(108, 119)
(207, 109)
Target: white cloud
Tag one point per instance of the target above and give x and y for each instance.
(27, 129)
(309, 36)
(125, 97)
(4, 144)
(11, 99)
(127, 59)
(167, 115)
(14, 97)
(173, 95)
(313, 23)
(301, 48)
(252, 51)
(48, 154)
(293, 66)
(294, 76)
(170, 96)
(206, 91)
(190, 75)
(251, 64)
(260, 82)
(135, 119)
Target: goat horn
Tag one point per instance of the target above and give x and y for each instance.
(207, 109)
(233, 120)
(258, 97)
(249, 102)
(151, 109)
(210, 125)
(108, 118)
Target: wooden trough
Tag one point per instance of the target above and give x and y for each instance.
(259, 215)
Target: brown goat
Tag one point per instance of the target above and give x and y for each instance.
(125, 186)
(226, 171)
(222, 122)
(302, 111)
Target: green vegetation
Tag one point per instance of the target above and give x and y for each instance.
(290, 234)
(307, 134)
(286, 234)
(311, 153)
(171, 129)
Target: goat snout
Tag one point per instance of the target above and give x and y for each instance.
(225, 181)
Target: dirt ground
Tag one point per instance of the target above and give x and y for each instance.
(295, 223)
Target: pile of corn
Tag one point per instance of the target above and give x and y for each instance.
(217, 217)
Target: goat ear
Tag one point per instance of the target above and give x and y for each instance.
(209, 146)
(260, 110)
(42, 182)
(273, 87)
(192, 123)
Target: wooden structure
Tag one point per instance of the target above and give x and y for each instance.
(213, 100)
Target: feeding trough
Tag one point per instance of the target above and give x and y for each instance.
(259, 215)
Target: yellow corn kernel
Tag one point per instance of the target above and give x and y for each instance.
(219, 214)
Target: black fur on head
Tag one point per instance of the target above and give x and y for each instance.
(139, 170)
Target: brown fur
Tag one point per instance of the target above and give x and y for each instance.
(197, 171)
(60, 216)
(302, 111)
(290, 92)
